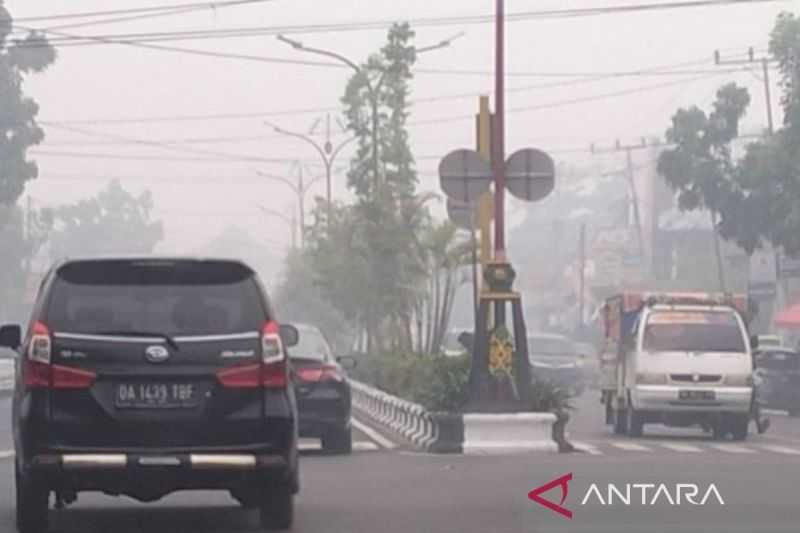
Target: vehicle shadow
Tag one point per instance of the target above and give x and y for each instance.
(178, 519)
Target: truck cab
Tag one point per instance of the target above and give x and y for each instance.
(681, 361)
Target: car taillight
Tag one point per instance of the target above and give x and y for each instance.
(270, 372)
(319, 373)
(40, 345)
(39, 372)
(273, 357)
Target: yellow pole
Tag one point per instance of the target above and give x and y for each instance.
(486, 202)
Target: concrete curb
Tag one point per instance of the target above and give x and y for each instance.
(455, 433)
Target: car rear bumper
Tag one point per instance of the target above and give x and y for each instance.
(149, 477)
(667, 398)
(316, 425)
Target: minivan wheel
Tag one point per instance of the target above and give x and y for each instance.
(338, 441)
(33, 499)
(277, 512)
(739, 427)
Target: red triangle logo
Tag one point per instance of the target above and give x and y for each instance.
(563, 482)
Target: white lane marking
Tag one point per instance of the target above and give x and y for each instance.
(731, 448)
(780, 449)
(307, 445)
(630, 447)
(313, 445)
(591, 449)
(365, 446)
(684, 448)
(6, 454)
(382, 441)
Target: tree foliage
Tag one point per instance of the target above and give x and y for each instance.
(377, 109)
(758, 196)
(379, 264)
(18, 112)
(113, 222)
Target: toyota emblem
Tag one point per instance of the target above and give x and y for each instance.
(696, 378)
(156, 354)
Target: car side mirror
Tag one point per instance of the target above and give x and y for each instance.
(289, 335)
(347, 362)
(753, 342)
(10, 336)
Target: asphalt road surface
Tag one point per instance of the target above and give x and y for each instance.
(392, 491)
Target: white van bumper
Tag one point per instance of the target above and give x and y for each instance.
(672, 398)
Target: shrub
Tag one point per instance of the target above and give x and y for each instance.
(436, 382)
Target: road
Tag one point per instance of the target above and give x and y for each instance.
(397, 491)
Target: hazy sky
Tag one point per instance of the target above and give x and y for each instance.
(197, 199)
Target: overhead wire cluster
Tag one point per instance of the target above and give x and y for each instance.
(58, 38)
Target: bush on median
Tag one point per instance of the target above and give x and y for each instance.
(441, 383)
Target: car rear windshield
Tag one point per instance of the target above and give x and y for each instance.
(311, 345)
(711, 331)
(172, 298)
(550, 346)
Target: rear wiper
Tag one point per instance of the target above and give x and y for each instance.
(169, 340)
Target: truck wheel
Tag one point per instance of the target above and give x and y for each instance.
(277, 512)
(635, 423)
(33, 502)
(739, 427)
(620, 422)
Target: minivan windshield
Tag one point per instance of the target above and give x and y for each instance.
(201, 300)
(704, 331)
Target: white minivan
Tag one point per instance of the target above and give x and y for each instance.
(691, 364)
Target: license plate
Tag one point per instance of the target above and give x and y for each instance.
(156, 395)
(696, 395)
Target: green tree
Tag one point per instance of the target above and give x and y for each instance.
(767, 207)
(300, 299)
(18, 112)
(700, 167)
(22, 235)
(377, 109)
(759, 198)
(113, 222)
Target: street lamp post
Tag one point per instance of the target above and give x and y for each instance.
(291, 221)
(373, 89)
(327, 152)
(300, 189)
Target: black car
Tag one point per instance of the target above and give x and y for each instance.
(142, 377)
(323, 392)
(777, 377)
(556, 359)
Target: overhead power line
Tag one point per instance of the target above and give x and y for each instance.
(436, 98)
(570, 101)
(144, 157)
(139, 10)
(77, 40)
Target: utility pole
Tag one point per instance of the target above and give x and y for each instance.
(628, 149)
(764, 61)
(28, 236)
(751, 59)
(582, 266)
